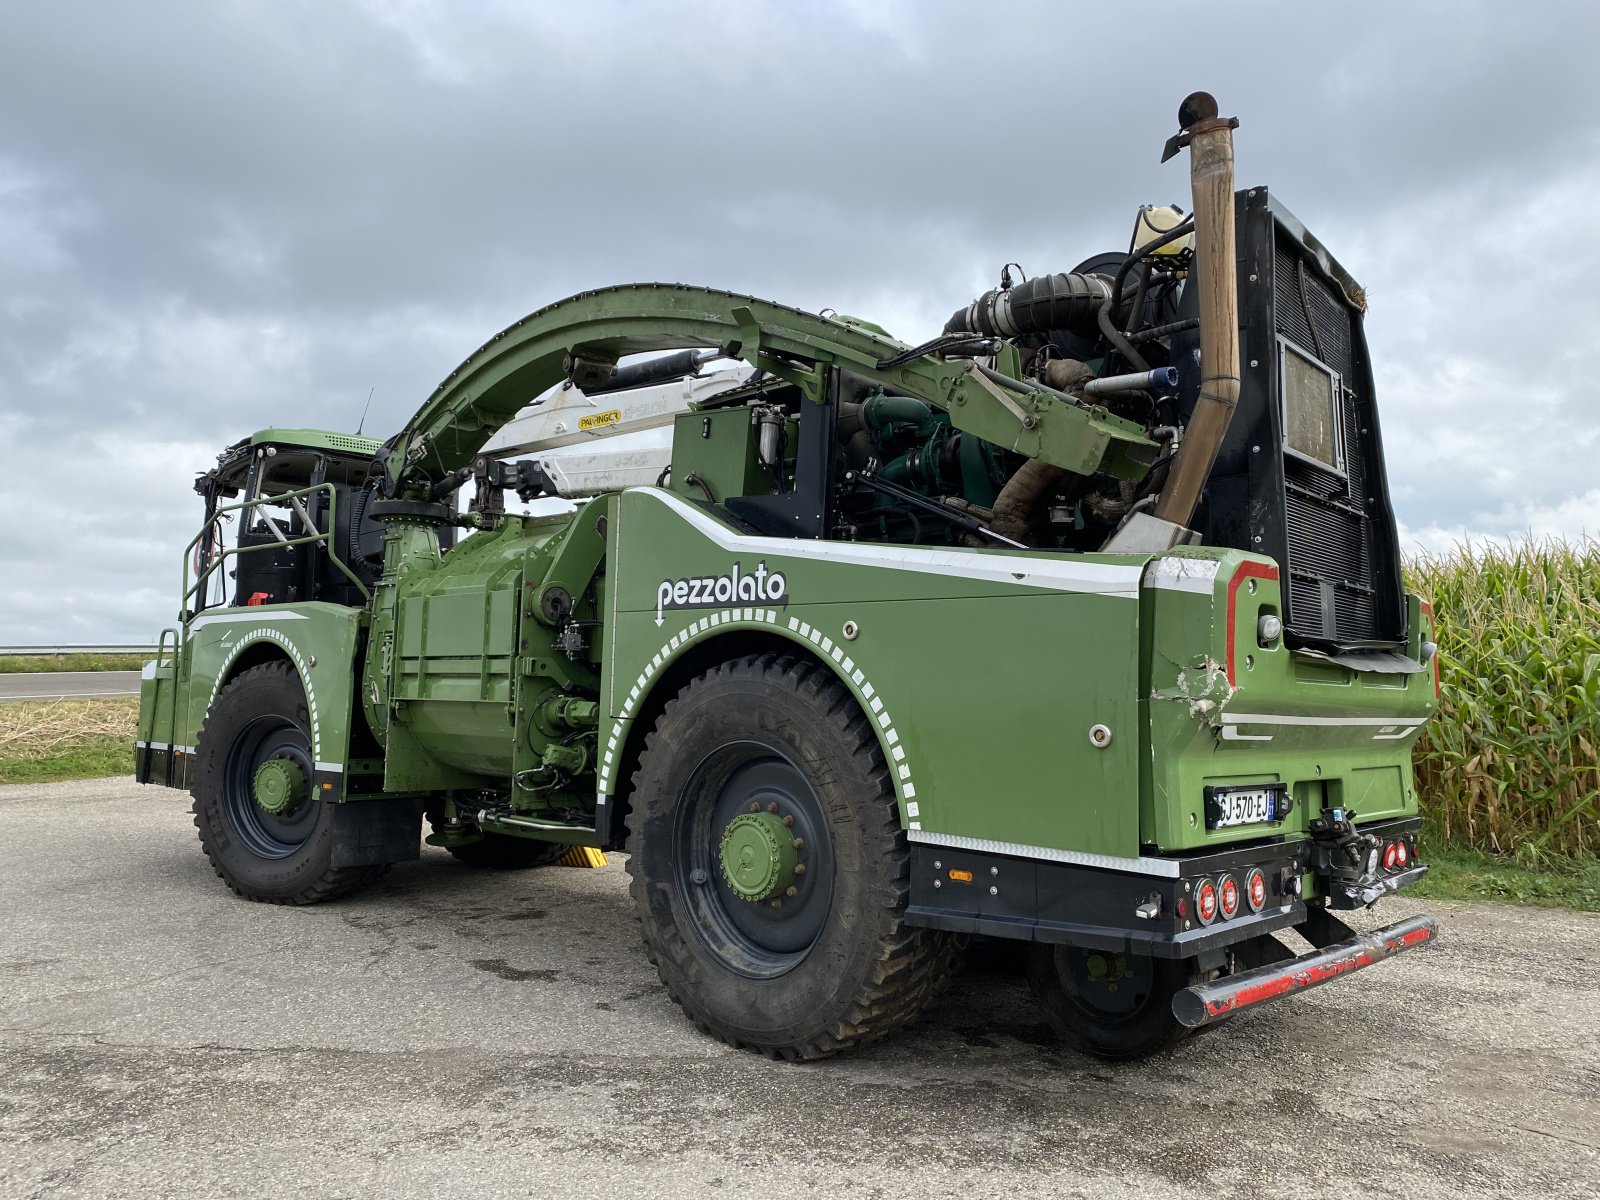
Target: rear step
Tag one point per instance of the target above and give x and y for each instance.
(1202, 1003)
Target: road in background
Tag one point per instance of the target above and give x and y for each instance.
(454, 1032)
(58, 685)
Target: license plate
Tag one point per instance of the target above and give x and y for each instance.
(1227, 807)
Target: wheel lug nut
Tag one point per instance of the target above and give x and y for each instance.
(698, 876)
(799, 843)
(792, 892)
(772, 806)
(799, 868)
(788, 820)
(755, 806)
(777, 904)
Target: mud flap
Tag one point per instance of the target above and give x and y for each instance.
(369, 833)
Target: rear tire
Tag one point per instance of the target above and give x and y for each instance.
(501, 852)
(1113, 1006)
(281, 851)
(749, 759)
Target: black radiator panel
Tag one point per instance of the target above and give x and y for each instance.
(1331, 532)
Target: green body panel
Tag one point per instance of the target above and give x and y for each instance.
(318, 439)
(717, 447)
(1336, 736)
(984, 690)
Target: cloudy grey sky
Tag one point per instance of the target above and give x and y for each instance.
(216, 216)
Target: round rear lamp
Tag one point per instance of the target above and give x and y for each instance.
(1401, 854)
(1391, 856)
(1205, 901)
(1228, 896)
(1255, 889)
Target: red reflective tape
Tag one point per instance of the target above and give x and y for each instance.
(1433, 628)
(1406, 940)
(1249, 570)
(1279, 985)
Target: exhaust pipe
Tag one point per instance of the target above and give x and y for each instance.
(1210, 141)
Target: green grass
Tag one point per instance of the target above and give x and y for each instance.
(31, 663)
(43, 741)
(106, 756)
(1470, 876)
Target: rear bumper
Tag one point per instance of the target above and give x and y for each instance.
(1202, 1003)
(1141, 906)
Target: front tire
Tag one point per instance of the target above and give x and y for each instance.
(261, 823)
(1113, 1006)
(769, 869)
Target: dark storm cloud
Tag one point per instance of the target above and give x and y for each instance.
(215, 217)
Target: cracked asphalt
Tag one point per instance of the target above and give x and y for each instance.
(454, 1032)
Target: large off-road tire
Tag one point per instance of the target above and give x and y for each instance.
(754, 756)
(1113, 1006)
(280, 851)
(500, 852)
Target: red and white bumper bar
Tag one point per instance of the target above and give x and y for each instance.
(1202, 1003)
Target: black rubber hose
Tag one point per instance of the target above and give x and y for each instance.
(1114, 296)
(1067, 300)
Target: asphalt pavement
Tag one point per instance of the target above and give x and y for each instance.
(59, 685)
(458, 1032)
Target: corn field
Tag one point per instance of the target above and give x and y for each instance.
(1510, 765)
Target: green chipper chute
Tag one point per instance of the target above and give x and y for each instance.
(1078, 623)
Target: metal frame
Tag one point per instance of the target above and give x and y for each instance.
(295, 498)
(1336, 388)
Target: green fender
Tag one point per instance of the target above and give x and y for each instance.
(631, 697)
(319, 640)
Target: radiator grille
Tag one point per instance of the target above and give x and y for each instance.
(1329, 537)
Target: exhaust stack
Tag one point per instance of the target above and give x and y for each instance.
(1210, 141)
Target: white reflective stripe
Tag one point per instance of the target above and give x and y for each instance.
(1229, 718)
(336, 767)
(184, 749)
(1198, 575)
(154, 745)
(1063, 573)
(1109, 862)
(1231, 733)
(259, 615)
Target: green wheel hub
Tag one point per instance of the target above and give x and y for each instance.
(758, 856)
(279, 786)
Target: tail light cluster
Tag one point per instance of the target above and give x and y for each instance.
(1223, 897)
(1399, 854)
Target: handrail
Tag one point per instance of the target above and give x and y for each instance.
(293, 498)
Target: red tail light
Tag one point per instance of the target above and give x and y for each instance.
(1228, 896)
(1255, 888)
(1401, 854)
(1391, 856)
(1205, 901)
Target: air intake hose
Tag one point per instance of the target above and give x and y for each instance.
(1063, 301)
